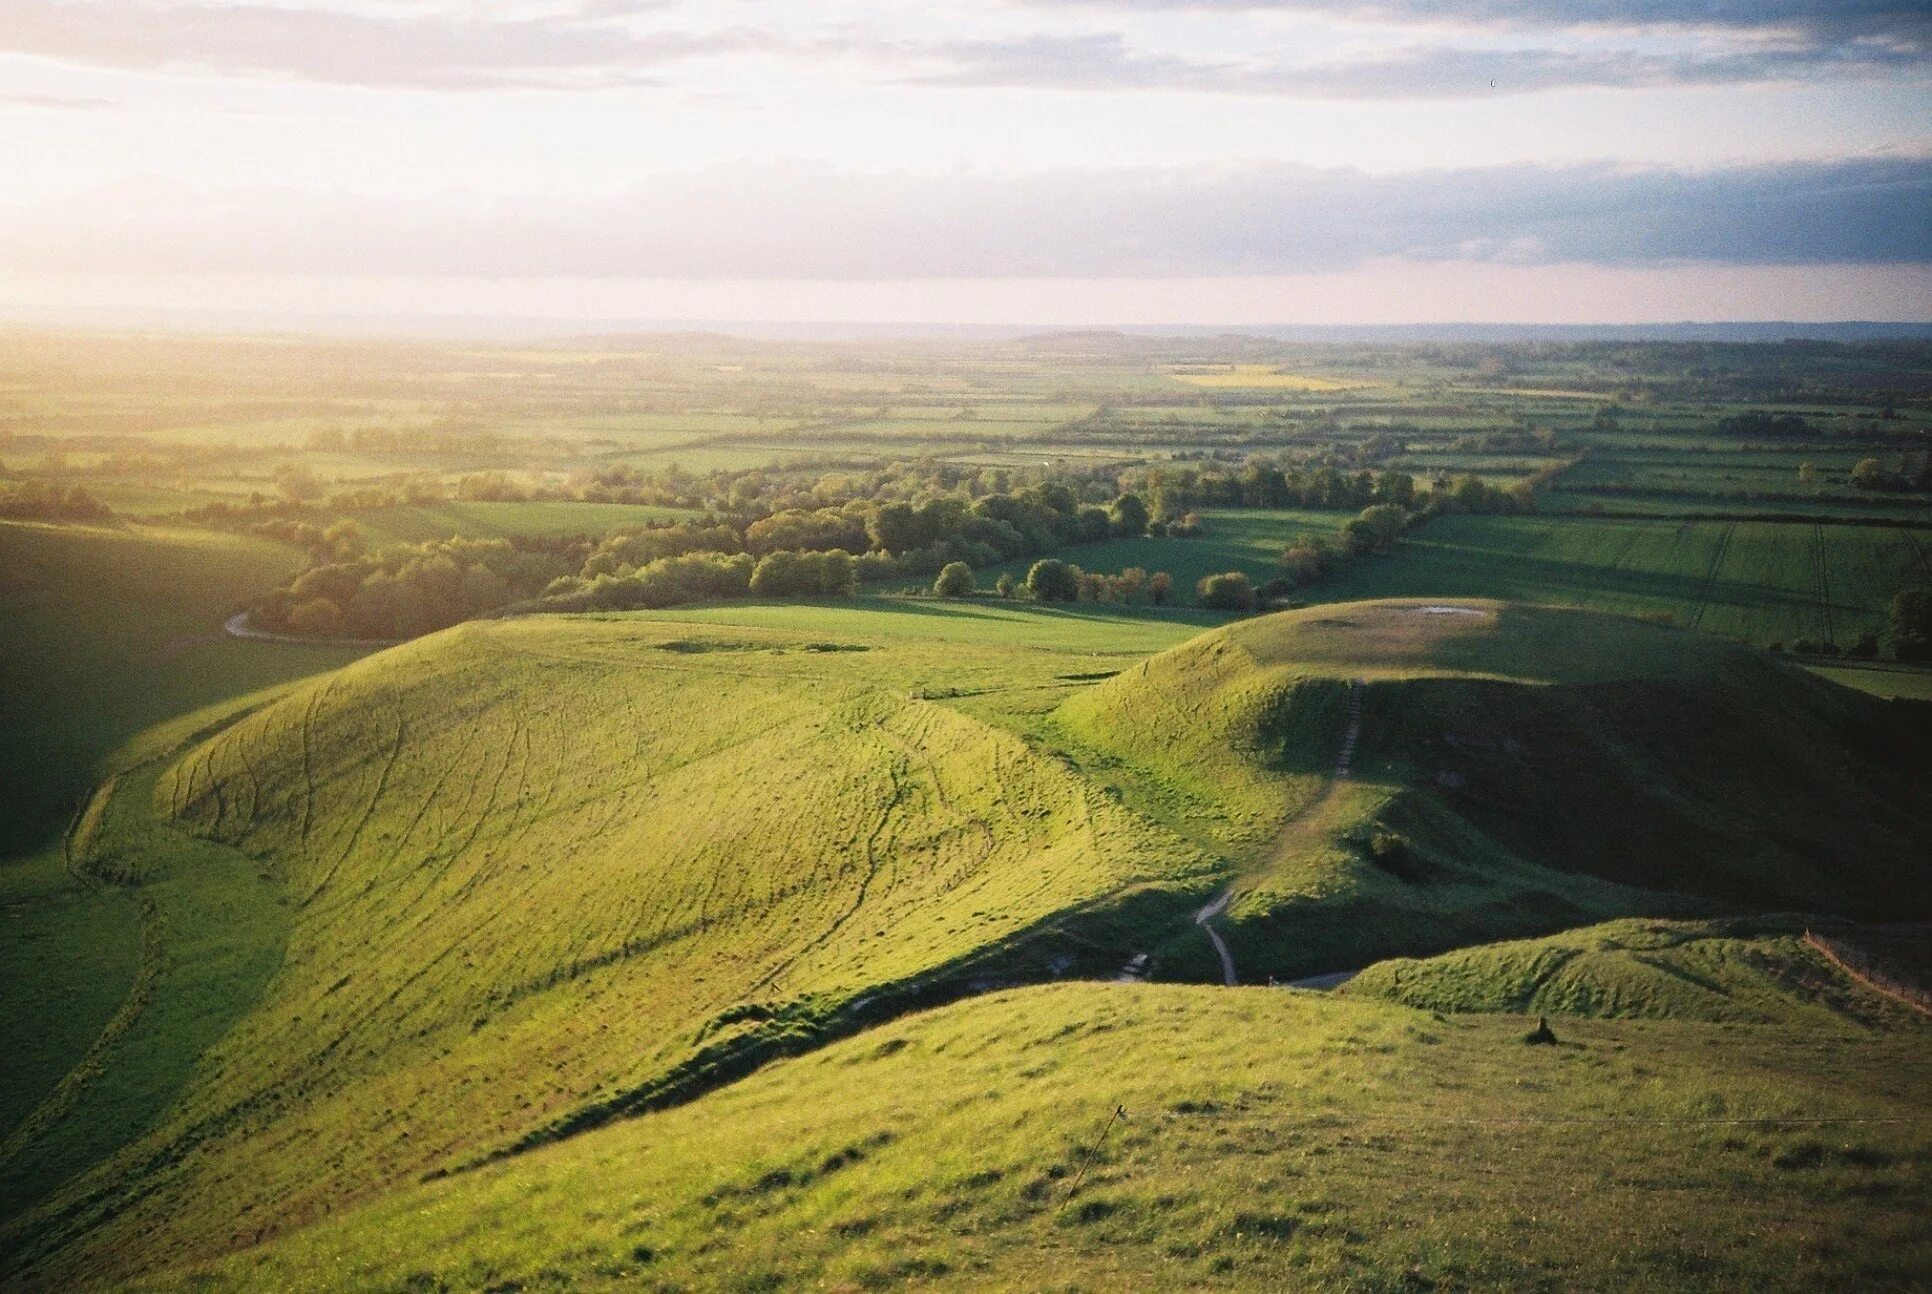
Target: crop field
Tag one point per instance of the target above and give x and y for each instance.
(472, 520)
(1762, 582)
(1259, 377)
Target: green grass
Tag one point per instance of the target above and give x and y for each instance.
(416, 522)
(534, 886)
(1534, 768)
(1236, 539)
(1272, 1140)
(108, 633)
(1755, 970)
(1758, 581)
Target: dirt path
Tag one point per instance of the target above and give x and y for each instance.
(237, 626)
(1136, 969)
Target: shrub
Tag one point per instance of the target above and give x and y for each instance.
(1052, 580)
(955, 580)
(1228, 591)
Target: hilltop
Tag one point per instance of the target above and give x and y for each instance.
(1515, 770)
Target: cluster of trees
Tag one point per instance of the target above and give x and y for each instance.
(415, 589)
(1914, 472)
(1052, 580)
(41, 500)
(1172, 491)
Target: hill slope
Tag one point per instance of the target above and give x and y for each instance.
(546, 872)
(1516, 770)
(1740, 969)
(1272, 1140)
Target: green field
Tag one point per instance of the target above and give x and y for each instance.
(513, 858)
(415, 523)
(1244, 539)
(1759, 581)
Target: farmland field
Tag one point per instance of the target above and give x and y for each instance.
(1760, 581)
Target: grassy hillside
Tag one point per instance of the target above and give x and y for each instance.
(1272, 1140)
(1750, 969)
(110, 631)
(1519, 770)
(543, 872)
(107, 631)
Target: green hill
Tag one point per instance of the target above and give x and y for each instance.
(1740, 969)
(544, 872)
(1517, 770)
(511, 882)
(1272, 1140)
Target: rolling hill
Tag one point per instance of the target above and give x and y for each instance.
(541, 873)
(1515, 770)
(506, 885)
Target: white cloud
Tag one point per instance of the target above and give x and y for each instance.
(794, 221)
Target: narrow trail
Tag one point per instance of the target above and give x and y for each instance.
(1136, 969)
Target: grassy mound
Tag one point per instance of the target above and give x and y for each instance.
(1747, 969)
(543, 873)
(1272, 1140)
(1519, 770)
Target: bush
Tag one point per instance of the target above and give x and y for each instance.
(1228, 591)
(1052, 580)
(955, 580)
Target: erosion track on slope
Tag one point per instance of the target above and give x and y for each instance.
(1344, 760)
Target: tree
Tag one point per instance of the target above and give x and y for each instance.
(1051, 580)
(1807, 474)
(1160, 586)
(955, 580)
(1870, 474)
(1128, 516)
(1386, 522)
(316, 618)
(1005, 585)
(297, 484)
(1909, 627)
(1228, 591)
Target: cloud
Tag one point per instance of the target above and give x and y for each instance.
(433, 51)
(1904, 21)
(1106, 62)
(56, 102)
(797, 221)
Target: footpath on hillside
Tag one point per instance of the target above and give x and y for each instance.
(1137, 968)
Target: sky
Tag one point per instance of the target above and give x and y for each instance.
(1078, 162)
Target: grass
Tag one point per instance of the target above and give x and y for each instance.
(1235, 539)
(1759, 581)
(532, 889)
(1531, 769)
(1272, 1140)
(416, 522)
(1756, 970)
(109, 631)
